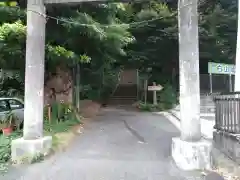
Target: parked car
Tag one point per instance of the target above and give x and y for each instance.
(14, 105)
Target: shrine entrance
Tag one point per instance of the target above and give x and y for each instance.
(126, 91)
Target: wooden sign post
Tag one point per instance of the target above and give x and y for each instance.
(155, 88)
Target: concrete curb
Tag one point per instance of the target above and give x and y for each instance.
(176, 122)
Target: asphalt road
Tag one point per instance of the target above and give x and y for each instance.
(116, 145)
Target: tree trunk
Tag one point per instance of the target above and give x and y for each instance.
(237, 70)
(189, 70)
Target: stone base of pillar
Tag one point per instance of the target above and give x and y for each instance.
(26, 150)
(191, 155)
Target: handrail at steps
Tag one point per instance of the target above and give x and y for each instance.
(118, 82)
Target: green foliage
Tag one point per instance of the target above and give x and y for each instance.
(61, 126)
(11, 14)
(12, 55)
(67, 43)
(5, 149)
(12, 58)
(218, 32)
(103, 82)
(12, 42)
(145, 107)
(5, 146)
(67, 121)
(63, 116)
(103, 36)
(59, 112)
(149, 107)
(167, 97)
(37, 158)
(156, 41)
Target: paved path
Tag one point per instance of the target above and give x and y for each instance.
(207, 123)
(117, 145)
(207, 115)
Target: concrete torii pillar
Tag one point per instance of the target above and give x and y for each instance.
(189, 151)
(33, 141)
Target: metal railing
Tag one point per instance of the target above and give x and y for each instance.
(227, 112)
(220, 83)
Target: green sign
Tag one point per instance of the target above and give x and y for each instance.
(220, 68)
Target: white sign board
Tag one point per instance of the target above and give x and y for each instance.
(155, 88)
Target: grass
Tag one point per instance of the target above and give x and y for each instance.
(61, 132)
(153, 108)
(5, 149)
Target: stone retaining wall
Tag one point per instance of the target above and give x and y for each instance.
(62, 83)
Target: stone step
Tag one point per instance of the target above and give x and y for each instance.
(126, 101)
(206, 99)
(126, 91)
(123, 97)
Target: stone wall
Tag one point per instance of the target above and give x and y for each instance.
(62, 83)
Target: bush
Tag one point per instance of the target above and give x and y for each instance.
(63, 117)
(61, 126)
(66, 119)
(145, 107)
(149, 107)
(5, 149)
(167, 97)
(59, 112)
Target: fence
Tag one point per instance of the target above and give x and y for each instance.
(227, 112)
(220, 83)
(226, 138)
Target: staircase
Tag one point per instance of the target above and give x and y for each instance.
(124, 95)
(207, 104)
(207, 107)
